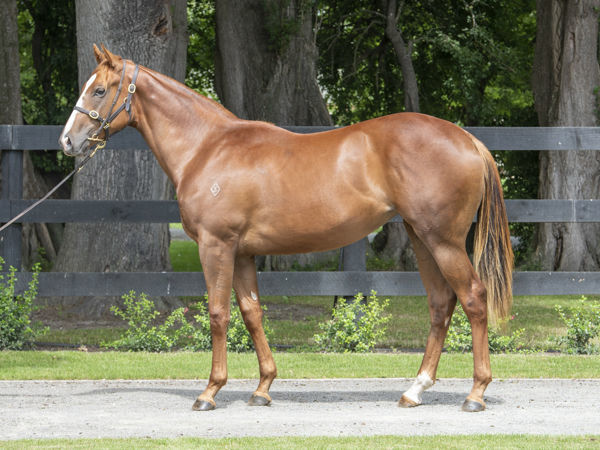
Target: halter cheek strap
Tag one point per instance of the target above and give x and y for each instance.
(126, 105)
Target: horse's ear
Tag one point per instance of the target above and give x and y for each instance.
(98, 54)
(109, 57)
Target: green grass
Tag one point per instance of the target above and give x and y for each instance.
(83, 336)
(514, 441)
(43, 365)
(184, 256)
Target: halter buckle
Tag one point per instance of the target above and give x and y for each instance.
(94, 114)
(131, 88)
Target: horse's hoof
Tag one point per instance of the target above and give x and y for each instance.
(406, 402)
(259, 400)
(472, 406)
(203, 405)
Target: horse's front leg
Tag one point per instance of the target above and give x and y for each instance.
(217, 259)
(246, 289)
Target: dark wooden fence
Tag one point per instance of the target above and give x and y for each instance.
(355, 278)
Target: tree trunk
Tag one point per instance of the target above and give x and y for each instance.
(565, 78)
(404, 55)
(265, 69)
(10, 100)
(152, 33)
(392, 243)
(266, 60)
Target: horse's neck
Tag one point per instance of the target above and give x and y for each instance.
(175, 121)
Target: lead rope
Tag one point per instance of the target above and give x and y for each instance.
(55, 188)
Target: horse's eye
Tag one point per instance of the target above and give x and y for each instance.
(99, 92)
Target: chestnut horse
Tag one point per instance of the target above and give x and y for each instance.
(249, 188)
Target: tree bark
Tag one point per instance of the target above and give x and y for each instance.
(152, 33)
(265, 69)
(10, 84)
(10, 100)
(266, 61)
(565, 79)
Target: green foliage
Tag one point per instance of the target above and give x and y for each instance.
(143, 334)
(201, 47)
(459, 338)
(16, 328)
(583, 326)
(238, 338)
(48, 60)
(472, 60)
(355, 326)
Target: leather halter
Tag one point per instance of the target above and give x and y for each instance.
(105, 123)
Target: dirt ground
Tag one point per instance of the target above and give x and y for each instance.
(344, 407)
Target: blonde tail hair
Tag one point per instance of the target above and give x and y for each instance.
(492, 255)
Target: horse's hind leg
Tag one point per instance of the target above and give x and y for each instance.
(246, 289)
(454, 264)
(442, 301)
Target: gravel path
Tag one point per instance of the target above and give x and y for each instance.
(342, 407)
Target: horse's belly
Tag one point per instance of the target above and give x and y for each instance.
(312, 232)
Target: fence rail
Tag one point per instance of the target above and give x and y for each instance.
(15, 139)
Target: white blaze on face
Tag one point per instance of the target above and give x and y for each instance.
(422, 382)
(80, 104)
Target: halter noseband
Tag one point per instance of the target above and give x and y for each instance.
(105, 123)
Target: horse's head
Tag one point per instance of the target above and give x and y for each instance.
(97, 112)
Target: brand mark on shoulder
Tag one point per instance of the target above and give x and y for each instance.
(215, 189)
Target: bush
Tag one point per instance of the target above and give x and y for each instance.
(583, 325)
(238, 338)
(176, 331)
(354, 326)
(460, 339)
(143, 334)
(16, 328)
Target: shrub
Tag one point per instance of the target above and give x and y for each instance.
(460, 339)
(16, 329)
(143, 334)
(238, 338)
(176, 331)
(583, 325)
(354, 326)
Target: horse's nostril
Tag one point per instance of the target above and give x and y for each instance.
(66, 143)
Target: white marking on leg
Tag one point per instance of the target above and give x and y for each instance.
(253, 295)
(79, 103)
(422, 383)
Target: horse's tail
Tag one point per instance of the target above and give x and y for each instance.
(492, 254)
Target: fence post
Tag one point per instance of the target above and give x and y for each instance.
(12, 189)
(354, 258)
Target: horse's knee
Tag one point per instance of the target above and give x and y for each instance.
(219, 319)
